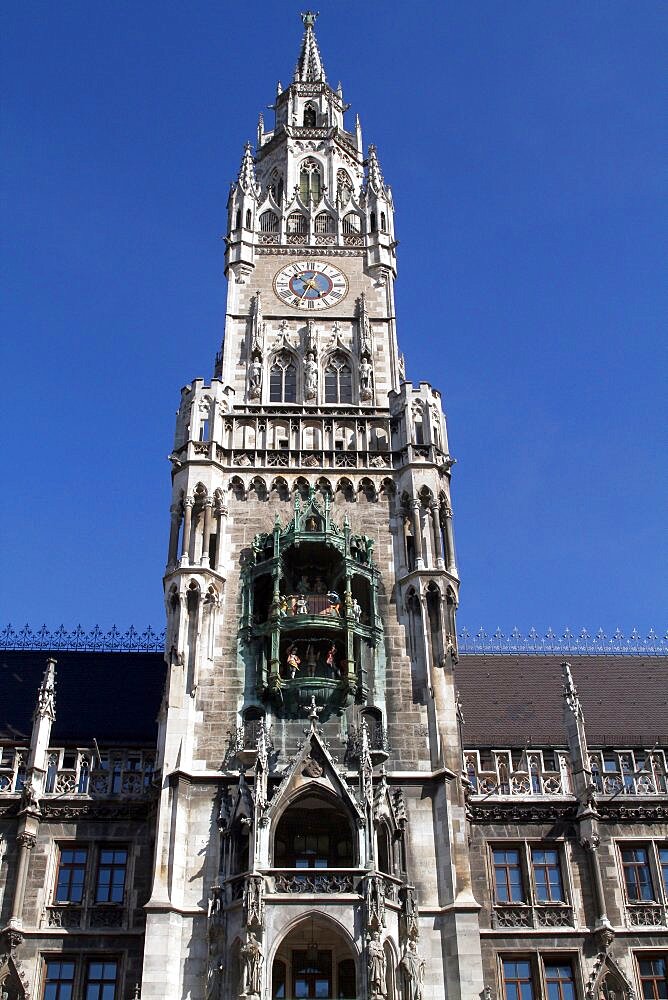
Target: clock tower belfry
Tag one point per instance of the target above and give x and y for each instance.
(311, 835)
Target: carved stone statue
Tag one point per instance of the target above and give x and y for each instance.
(310, 376)
(255, 377)
(254, 901)
(413, 966)
(375, 956)
(252, 958)
(366, 378)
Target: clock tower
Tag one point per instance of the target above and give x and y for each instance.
(311, 836)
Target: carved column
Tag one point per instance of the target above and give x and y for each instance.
(206, 535)
(438, 537)
(26, 842)
(221, 516)
(187, 522)
(417, 534)
(451, 564)
(175, 512)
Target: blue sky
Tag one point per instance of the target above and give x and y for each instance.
(525, 144)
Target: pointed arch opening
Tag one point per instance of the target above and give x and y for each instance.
(283, 379)
(338, 379)
(314, 831)
(315, 959)
(310, 181)
(310, 118)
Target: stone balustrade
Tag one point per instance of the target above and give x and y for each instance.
(510, 773)
(123, 773)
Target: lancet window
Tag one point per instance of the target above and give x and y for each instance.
(344, 187)
(283, 380)
(352, 224)
(338, 380)
(310, 116)
(310, 182)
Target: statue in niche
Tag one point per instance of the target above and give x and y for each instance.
(413, 966)
(357, 610)
(252, 958)
(375, 956)
(366, 378)
(255, 377)
(310, 376)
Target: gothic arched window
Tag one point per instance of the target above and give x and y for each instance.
(237, 219)
(372, 222)
(344, 186)
(296, 224)
(269, 222)
(276, 187)
(249, 218)
(351, 224)
(310, 116)
(324, 223)
(338, 380)
(310, 181)
(283, 380)
(383, 223)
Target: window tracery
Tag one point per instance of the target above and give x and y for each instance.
(310, 181)
(338, 380)
(283, 379)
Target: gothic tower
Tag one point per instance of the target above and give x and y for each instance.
(311, 832)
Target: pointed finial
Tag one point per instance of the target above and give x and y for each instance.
(570, 690)
(246, 177)
(46, 697)
(309, 17)
(375, 175)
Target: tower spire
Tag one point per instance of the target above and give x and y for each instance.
(309, 67)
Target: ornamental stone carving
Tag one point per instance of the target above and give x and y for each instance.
(376, 967)
(374, 893)
(252, 958)
(254, 901)
(310, 377)
(413, 965)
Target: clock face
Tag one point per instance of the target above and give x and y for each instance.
(310, 284)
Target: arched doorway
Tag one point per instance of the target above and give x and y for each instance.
(314, 961)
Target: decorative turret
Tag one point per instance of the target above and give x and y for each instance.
(241, 207)
(380, 216)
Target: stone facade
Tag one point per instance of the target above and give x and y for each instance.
(312, 822)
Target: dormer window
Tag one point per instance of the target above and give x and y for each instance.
(310, 116)
(310, 182)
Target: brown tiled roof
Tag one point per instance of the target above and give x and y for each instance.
(509, 699)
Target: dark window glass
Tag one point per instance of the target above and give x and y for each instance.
(338, 382)
(636, 874)
(346, 986)
(654, 977)
(71, 874)
(547, 876)
(559, 981)
(278, 980)
(508, 876)
(283, 384)
(59, 981)
(101, 981)
(309, 117)
(663, 862)
(312, 975)
(110, 887)
(517, 979)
